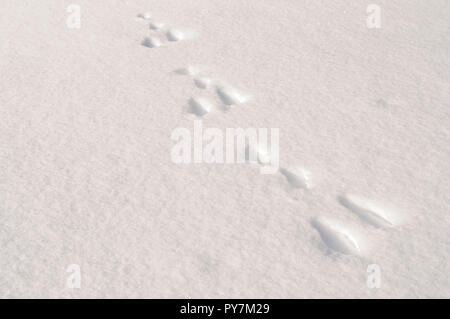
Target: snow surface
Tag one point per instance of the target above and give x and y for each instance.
(86, 176)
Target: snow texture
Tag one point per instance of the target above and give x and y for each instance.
(86, 176)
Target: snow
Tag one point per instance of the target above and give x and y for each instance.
(86, 176)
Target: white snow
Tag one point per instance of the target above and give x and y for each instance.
(86, 176)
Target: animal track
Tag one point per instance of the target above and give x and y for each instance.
(297, 177)
(203, 82)
(151, 42)
(156, 25)
(227, 94)
(366, 210)
(230, 96)
(199, 106)
(336, 237)
(145, 16)
(189, 70)
(340, 239)
(175, 35)
(162, 33)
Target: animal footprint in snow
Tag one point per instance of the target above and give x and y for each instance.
(189, 70)
(156, 25)
(231, 96)
(175, 34)
(344, 239)
(199, 106)
(336, 237)
(203, 82)
(160, 33)
(200, 81)
(151, 42)
(227, 94)
(297, 177)
(145, 16)
(367, 210)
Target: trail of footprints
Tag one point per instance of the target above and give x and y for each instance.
(337, 236)
(202, 105)
(161, 33)
(344, 239)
